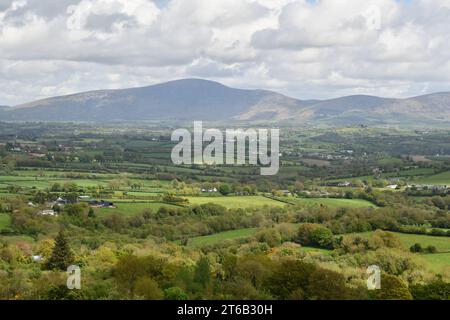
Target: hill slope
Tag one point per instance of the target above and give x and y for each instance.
(195, 99)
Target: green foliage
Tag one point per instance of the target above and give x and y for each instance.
(62, 255)
(310, 234)
(202, 274)
(148, 289)
(61, 292)
(225, 189)
(392, 288)
(175, 293)
(436, 290)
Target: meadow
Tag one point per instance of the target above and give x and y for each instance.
(131, 209)
(234, 202)
(437, 179)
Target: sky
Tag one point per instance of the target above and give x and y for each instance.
(302, 48)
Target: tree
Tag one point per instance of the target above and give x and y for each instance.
(225, 189)
(91, 213)
(392, 288)
(327, 285)
(202, 274)
(416, 248)
(290, 277)
(311, 234)
(62, 256)
(431, 249)
(175, 293)
(436, 290)
(148, 289)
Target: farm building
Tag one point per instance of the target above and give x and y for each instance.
(102, 204)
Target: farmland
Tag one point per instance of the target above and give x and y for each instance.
(237, 202)
(115, 195)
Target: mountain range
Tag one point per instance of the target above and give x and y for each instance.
(196, 99)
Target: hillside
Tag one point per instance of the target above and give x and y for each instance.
(195, 99)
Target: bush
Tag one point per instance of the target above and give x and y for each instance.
(175, 293)
(416, 248)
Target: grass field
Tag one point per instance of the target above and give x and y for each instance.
(130, 209)
(438, 262)
(333, 203)
(236, 202)
(15, 239)
(437, 179)
(5, 221)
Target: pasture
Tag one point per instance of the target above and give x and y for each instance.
(130, 209)
(234, 202)
(437, 179)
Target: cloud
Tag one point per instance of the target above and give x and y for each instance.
(303, 48)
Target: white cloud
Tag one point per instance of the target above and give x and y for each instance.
(308, 49)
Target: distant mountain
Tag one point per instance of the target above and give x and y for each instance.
(195, 99)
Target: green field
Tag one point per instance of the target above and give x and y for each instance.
(5, 221)
(232, 202)
(15, 239)
(130, 209)
(438, 262)
(437, 179)
(333, 203)
(227, 235)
